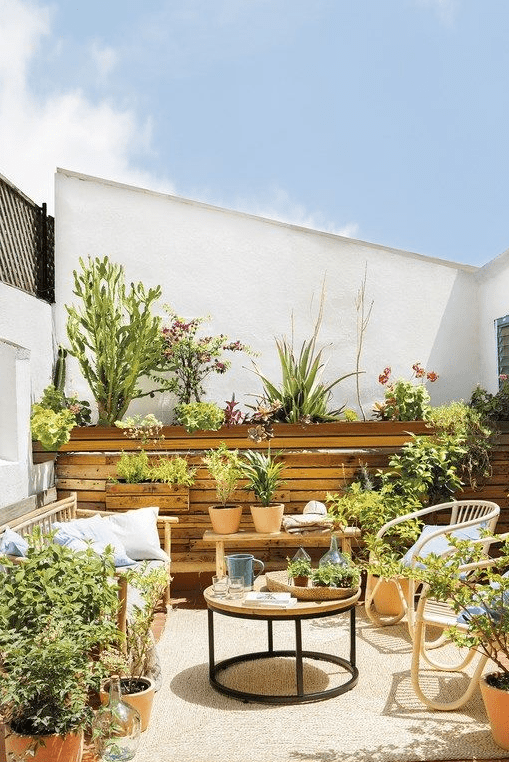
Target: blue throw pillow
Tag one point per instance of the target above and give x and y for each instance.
(12, 543)
(93, 532)
(440, 543)
(498, 604)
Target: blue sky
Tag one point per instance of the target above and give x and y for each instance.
(384, 120)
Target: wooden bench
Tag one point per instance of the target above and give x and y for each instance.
(244, 539)
(66, 510)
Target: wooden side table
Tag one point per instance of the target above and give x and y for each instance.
(244, 539)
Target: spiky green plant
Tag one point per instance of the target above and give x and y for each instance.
(263, 474)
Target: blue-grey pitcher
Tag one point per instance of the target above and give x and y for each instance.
(241, 565)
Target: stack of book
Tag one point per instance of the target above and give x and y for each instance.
(269, 600)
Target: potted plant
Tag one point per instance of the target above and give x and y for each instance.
(137, 664)
(336, 575)
(224, 466)
(58, 609)
(141, 479)
(263, 474)
(299, 571)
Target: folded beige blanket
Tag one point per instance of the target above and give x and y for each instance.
(310, 530)
(306, 522)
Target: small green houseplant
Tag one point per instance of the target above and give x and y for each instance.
(225, 467)
(336, 575)
(299, 571)
(263, 474)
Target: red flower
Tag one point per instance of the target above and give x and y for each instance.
(432, 376)
(383, 378)
(418, 370)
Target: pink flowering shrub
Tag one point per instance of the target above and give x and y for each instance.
(191, 358)
(405, 400)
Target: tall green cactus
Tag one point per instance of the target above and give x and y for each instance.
(113, 335)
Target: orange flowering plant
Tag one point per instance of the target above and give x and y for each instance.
(405, 400)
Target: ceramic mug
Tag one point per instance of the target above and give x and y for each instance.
(241, 565)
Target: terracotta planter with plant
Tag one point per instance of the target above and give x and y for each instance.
(50, 626)
(263, 474)
(224, 466)
(136, 663)
(299, 571)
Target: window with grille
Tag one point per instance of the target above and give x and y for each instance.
(502, 325)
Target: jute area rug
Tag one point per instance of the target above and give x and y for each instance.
(379, 720)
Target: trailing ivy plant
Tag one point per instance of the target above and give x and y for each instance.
(114, 336)
(492, 407)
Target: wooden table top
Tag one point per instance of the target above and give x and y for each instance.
(301, 608)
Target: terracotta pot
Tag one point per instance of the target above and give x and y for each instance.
(267, 518)
(496, 702)
(300, 581)
(225, 519)
(142, 700)
(53, 748)
(386, 599)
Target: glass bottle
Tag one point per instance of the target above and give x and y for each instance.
(118, 727)
(301, 555)
(333, 556)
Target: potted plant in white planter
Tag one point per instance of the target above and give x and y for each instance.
(263, 474)
(224, 466)
(57, 609)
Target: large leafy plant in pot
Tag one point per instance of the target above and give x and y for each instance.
(58, 609)
(225, 467)
(136, 663)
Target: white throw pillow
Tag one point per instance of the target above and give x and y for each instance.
(137, 530)
(95, 532)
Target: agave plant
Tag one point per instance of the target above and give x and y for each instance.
(302, 396)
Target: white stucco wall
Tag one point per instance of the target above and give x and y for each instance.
(26, 352)
(251, 274)
(493, 288)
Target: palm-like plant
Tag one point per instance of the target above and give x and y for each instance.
(263, 474)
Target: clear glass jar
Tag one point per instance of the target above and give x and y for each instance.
(117, 728)
(333, 556)
(301, 555)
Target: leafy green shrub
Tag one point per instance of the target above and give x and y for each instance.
(199, 416)
(54, 417)
(136, 467)
(298, 567)
(493, 407)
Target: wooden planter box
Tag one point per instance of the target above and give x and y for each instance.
(171, 499)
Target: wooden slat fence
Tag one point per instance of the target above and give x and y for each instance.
(319, 459)
(26, 243)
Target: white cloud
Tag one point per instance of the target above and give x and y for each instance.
(445, 9)
(279, 206)
(64, 129)
(104, 59)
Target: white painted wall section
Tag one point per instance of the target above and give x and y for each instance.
(252, 275)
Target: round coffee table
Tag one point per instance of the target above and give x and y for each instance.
(301, 610)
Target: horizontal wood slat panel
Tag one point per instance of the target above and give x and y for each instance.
(318, 459)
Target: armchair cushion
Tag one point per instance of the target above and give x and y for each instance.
(137, 531)
(12, 543)
(439, 544)
(92, 532)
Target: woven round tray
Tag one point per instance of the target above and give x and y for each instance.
(277, 582)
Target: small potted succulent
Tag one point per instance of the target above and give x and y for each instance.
(263, 474)
(299, 571)
(224, 466)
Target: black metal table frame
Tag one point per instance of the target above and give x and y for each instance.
(300, 697)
